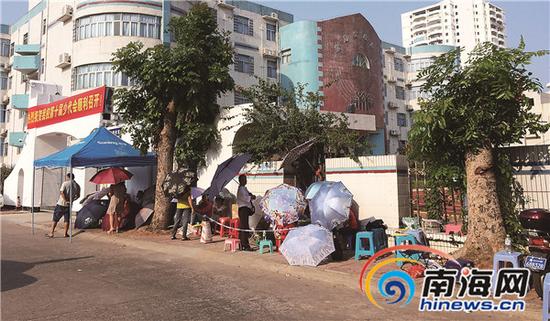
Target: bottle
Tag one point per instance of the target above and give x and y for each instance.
(508, 244)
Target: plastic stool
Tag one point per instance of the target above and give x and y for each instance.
(224, 221)
(234, 223)
(266, 243)
(406, 239)
(546, 298)
(499, 261)
(359, 249)
(233, 245)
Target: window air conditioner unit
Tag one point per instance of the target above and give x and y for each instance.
(394, 132)
(64, 60)
(392, 79)
(269, 52)
(6, 99)
(390, 50)
(274, 15)
(221, 3)
(392, 105)
(410, 108)
(66, 13)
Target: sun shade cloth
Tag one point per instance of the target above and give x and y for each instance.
(100, 149)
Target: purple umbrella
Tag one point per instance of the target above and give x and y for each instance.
(225, 172)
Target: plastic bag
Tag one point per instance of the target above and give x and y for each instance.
(206, 233)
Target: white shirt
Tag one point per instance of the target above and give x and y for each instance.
(243, 197)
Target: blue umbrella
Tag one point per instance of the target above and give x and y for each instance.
(307, 245)
(330, 204)
(225, 172)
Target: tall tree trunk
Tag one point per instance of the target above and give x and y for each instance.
(165, 163)
(486, 231)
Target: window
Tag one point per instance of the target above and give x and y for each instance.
(127, 24)
(401, 119)
(9, 82)
(271, 32)
(285, 56)
(3, 114)
(399, 92)
(96, 75)
(26, 38)
(44, 26)
(4, 47)
(3, 81)
(3, 147)
(42, 66)
(243, 25)
(272, 69)
(361, 61)
(240, 99)
(12, 48)
(402, 145)
(398, 64)
(244, 63)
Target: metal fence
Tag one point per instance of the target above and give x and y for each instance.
(447, 243)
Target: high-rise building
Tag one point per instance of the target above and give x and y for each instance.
(464, 23)
(64, 48)
(5, 83)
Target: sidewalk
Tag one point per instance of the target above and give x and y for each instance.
(344, 273)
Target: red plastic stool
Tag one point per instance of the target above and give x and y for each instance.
(234, 233)
(227, 222)
(233, 244)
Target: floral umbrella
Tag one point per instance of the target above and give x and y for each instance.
(283, 204)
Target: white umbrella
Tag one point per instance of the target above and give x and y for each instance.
(307, 245)
(329, 204)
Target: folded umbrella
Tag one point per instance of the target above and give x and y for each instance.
(112, 175)
(307, 245)
(283, 204)
(330, 205)
(225, 172)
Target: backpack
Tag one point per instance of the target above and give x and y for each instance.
(75, 190)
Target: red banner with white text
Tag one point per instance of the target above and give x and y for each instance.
(84, 104)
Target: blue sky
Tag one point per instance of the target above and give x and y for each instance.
(528, 18)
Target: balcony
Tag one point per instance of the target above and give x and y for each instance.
(29, 49)
(20, 101)
(26, 64)
(17, 139)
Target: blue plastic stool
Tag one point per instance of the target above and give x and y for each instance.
(406, 239)
(359, 249)
(264, 243)
(546, 298)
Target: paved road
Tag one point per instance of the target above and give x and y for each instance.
(50, 279)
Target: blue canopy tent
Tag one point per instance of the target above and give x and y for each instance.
(100, 149)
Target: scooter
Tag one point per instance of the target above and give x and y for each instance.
(536, 224)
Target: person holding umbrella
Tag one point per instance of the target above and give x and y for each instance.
(184, 208)
(244, 201)
(116, 205)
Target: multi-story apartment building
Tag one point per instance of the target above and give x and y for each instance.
(541, 106)
(464, 23)
(4, 86)
(64, 48)
(397, 84)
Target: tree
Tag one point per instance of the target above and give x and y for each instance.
(172, 105)
(281, 119)
(473, 109)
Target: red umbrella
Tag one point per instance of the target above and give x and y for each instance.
(113, 175)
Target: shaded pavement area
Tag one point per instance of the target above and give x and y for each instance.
(119, 278)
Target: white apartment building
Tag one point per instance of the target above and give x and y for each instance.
(397, 110)
(541, 106)
(464, 23)
(4, 85)
(63, 48)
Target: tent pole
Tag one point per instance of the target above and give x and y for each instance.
(71, 205)
(32, 199)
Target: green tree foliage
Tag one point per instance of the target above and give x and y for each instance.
(174, 96)
(473, 109)
(280, 120)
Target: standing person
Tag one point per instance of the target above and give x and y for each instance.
(62, 207)
(184, 208)
(116, 205)
(244, 201)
